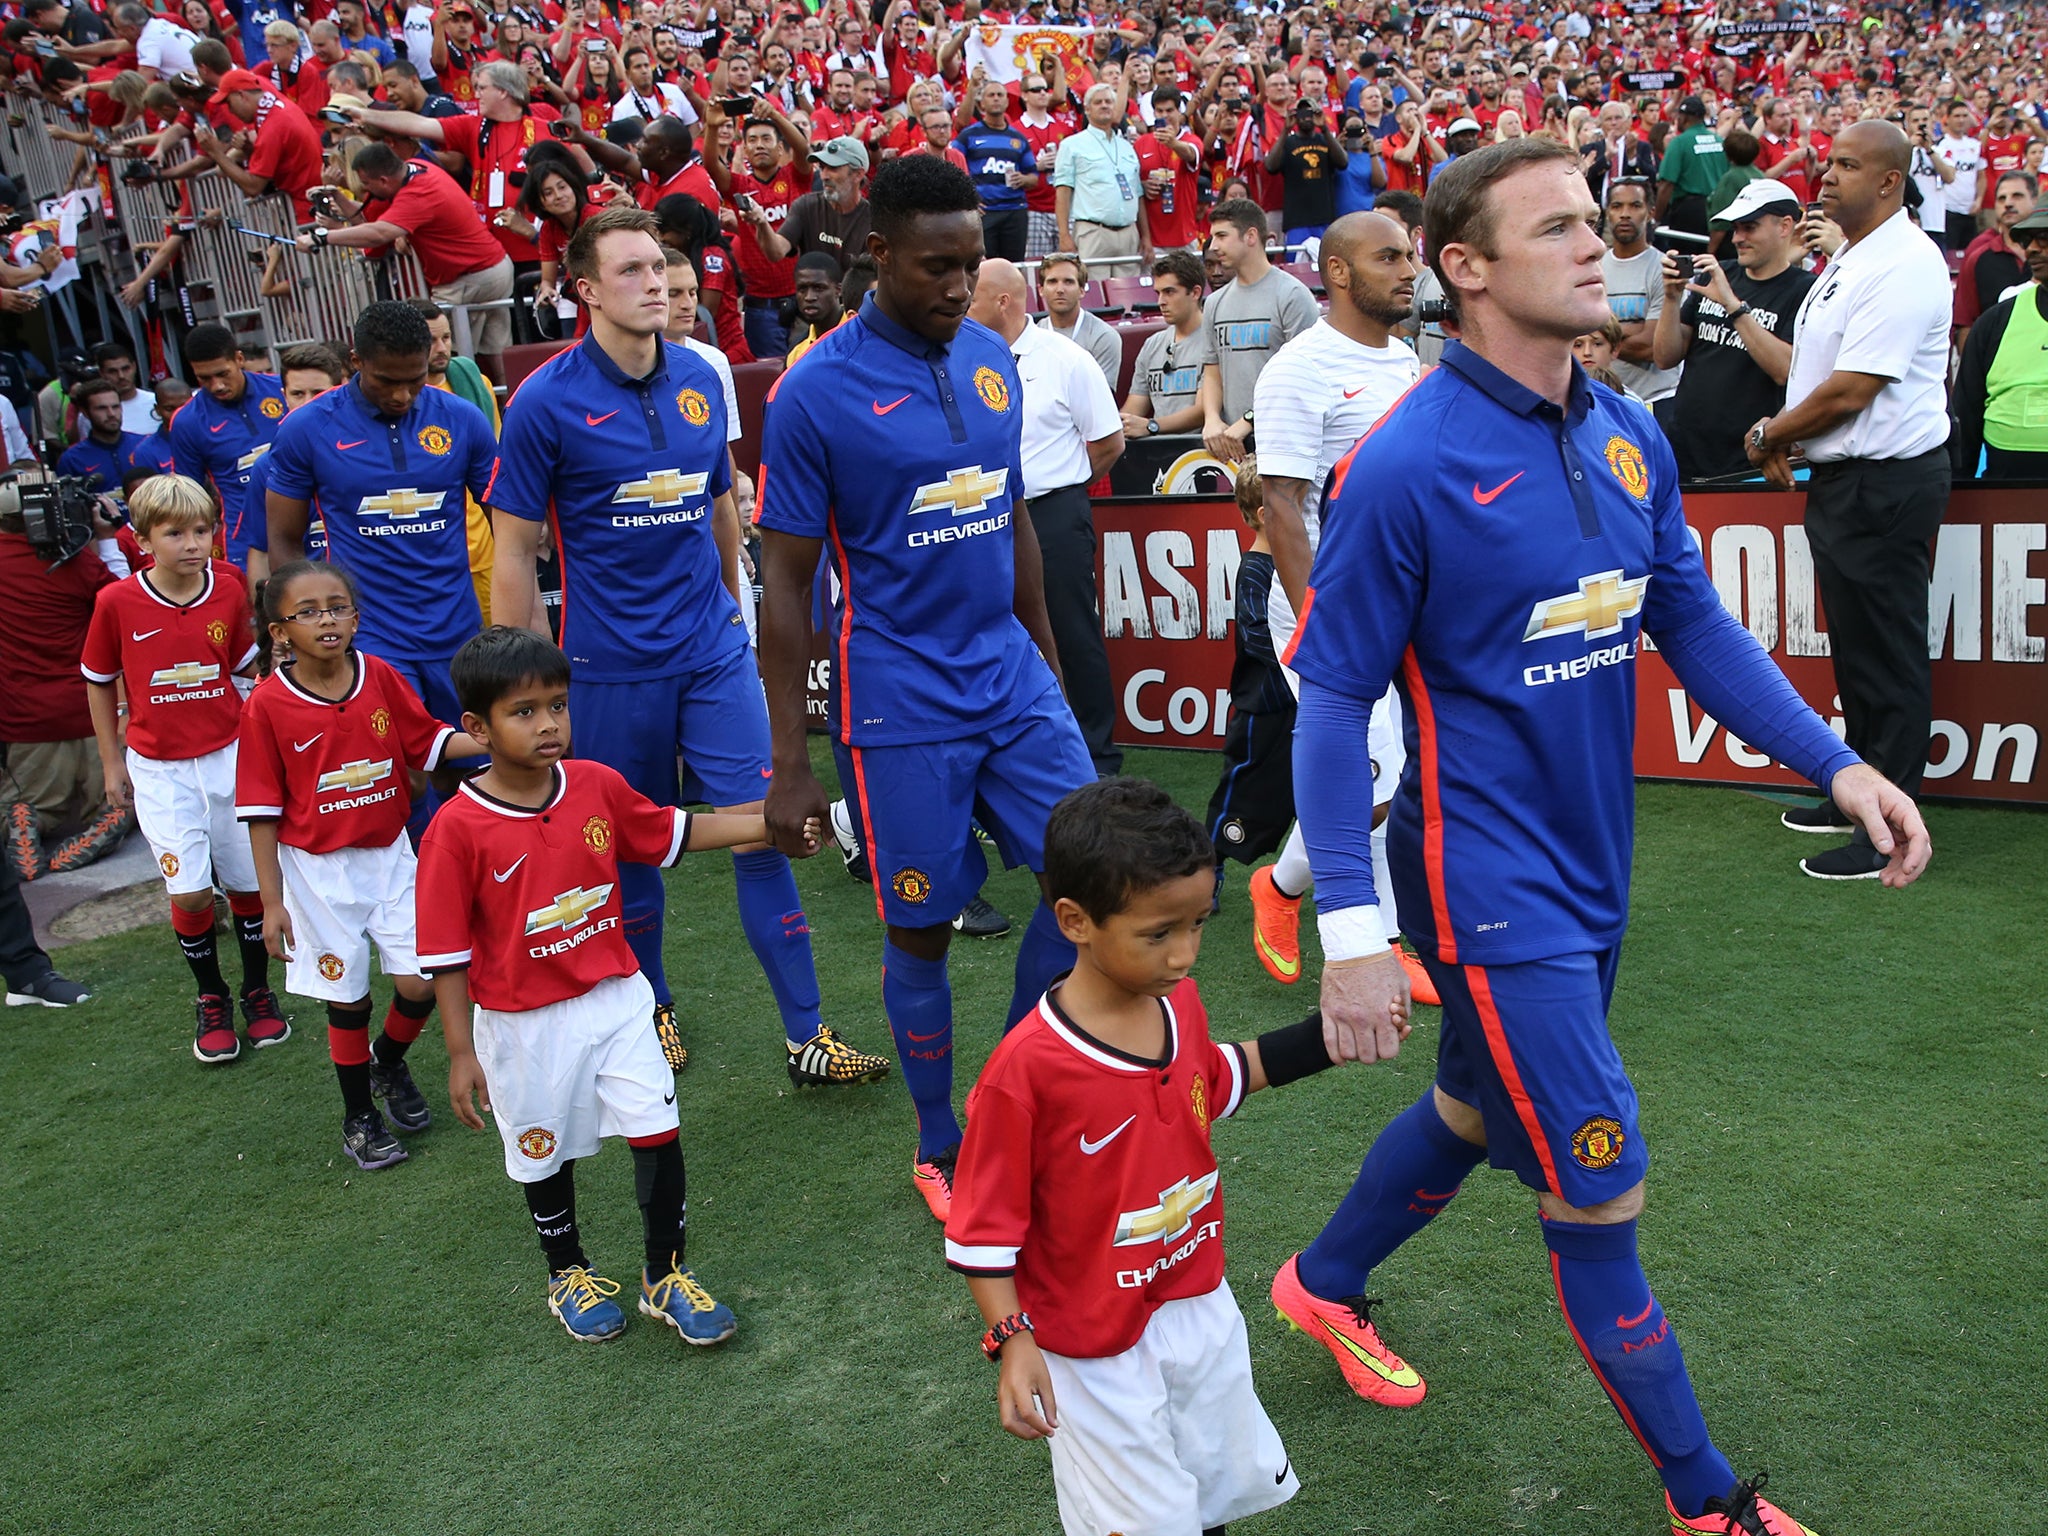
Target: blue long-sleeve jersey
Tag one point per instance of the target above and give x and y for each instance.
(1499, 560)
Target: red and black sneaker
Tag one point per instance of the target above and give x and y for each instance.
(107, 832)
(216, 1040)
(1743, 1513)
(24, 841)
(265, 1020)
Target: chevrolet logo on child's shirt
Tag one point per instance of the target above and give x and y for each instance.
(186, 674)
(1172, 1216)
(357, 775)
(571, 909)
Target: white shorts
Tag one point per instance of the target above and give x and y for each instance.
(1384, 740)
(1167, 1438)
(338, 903)
(186, 808)
(564, 1077)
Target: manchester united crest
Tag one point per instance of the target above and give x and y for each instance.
(274, 409)
(168, 863)
(1198, 1101)
(1626, 460)
(331, 967)
(436, 440)
(913, 886)
(598, 833)
(1597, 1143)
(537, 1143)
(695, 408)
(380, 722)
(217, 632)
(994, 391)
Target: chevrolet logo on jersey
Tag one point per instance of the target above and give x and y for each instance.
(1172, 1216)
(1597, 608)
(663, 488)
(963, 491)
(252, 456)
(571, 909)
(356, 775)
(186, 674)
(403, 502)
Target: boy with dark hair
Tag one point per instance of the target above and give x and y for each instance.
(520, 914)
(1086, 1213)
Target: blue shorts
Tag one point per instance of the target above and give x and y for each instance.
(914, 807)
(1527, 1046)
(715, 718)
(429, 679)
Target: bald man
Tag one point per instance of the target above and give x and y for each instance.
(1866, 405)
(1072, 434)
(1317, 398)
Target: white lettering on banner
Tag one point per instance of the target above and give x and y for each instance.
(1745, 557)
(1949, 745)
(1189, 711)
(1123, 591)
(1178, 611)
(1178, 614)
(1222, 560)
(2013, 592)
(1803, 634)
(1955, 592)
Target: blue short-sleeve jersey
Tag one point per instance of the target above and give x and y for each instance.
(220, 444)
(905, 457)
(992, 153)
(107, 461)
(1499, 560)
(154, 454)
(390, 491)
(626, 471)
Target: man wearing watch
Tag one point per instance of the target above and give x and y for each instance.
(1733, 332)
(1866, 404)
(1166, 380)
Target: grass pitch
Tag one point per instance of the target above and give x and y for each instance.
(215, 1323)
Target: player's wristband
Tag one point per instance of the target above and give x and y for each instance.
(1005, 1330)
(1294, 1051)
(1351, 933)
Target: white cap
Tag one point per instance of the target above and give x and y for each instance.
(1461, 125)
(1758, 198)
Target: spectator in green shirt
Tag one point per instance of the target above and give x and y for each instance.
(1741, 146)
(1693, 167)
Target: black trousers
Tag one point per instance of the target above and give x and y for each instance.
(21, 959)
(1066, 537)
(1005, 231)
(1871, 523)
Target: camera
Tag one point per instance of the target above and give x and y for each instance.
(1433, 311)
(138, 172)
(561, 128)
(56, 511)
(336, 116)
(1685, 265)
(1307, 114)
(1383, 72)
(736, 106)
(594, 45)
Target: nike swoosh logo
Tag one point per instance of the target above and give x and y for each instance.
(300, 746)
(144, 635)
(922, 1039)
(1405, 1377)
(1486, 498)
(883, 410)
(501, 879)
(668, 1098)
(1640, 1318)
(1353, 394)
(597, 421)
(344, 447)
(1281, 1476)
(1091, 1148)
(216, 427)
(1285, 966)
(767, 773)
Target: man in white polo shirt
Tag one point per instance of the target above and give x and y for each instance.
(1319, 395)
(1072, 434)
(1866, 405)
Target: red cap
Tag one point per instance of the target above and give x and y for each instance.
(465, 7)
(236, 80)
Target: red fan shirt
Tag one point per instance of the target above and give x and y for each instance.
(768, 279)
(529, 900)
(177, 659)
(1178, 226)
(1057, 126)
(1088, 1174)
(333, 772)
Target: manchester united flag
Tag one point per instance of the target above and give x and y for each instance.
(1005, 53)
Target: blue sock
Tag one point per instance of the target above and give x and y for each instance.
(919, 1002)
(1624, 1336)
(1410, 1173)
(772, 916)
(1041, 957)
(641, 896)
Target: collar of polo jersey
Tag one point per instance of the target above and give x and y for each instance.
(899, 336)
(1517, 397)
(602, 361)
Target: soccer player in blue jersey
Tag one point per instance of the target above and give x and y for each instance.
(219, 434)
(104, 451)
(898, 440)
(1498, 546)
(385, 462)
(619, 444)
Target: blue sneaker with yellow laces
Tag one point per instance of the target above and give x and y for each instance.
(583, 1302)
(678, 1300)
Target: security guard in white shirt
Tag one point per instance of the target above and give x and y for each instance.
(1072, 434)
(1866, 405)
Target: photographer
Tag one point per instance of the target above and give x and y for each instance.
(1364, 175)
(1732, 331)
(1307, 160)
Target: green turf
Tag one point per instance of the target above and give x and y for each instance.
(212, 1322)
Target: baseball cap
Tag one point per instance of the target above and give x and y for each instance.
(1461, 125)
(842, 151)
(1519, 67)
(1759, 197)
(236, 80)
(1692, 106)
(2038, 219)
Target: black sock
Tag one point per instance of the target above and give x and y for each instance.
(387, 1048)
(255, 958)
(658, 1180)
(552, 1204)
(202, 953)
(348, 1043)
